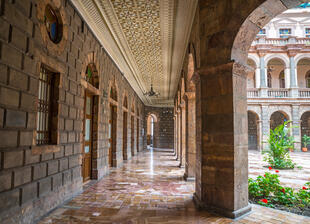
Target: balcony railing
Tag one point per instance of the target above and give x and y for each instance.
(281, 41)
(277, 93)
(304, 93)
(253, 93)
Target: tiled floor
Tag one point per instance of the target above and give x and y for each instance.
(150, 189)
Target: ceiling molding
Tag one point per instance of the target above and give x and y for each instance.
(147, 39)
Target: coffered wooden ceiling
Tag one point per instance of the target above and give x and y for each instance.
(147, 39)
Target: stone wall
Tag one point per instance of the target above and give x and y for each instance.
(34, 181)
(163, 128)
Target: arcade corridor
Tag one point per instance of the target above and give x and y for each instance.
(150, 189)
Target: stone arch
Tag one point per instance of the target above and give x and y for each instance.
(286, 110)
(91, 61)
(152, 139)
(282, 57)
(113, 91)
(277, 118)
(255, 59)
(299, 57)
(125, 100)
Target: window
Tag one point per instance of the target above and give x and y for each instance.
(285, 32)
(53, 24)
(307, 32)
(308, 79)
(47, 107)
(262, 32)
(282, 79)
(269, 79)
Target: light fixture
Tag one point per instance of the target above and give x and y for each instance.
(152, 92)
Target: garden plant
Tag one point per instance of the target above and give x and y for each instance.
(267, 191)
(280, 142)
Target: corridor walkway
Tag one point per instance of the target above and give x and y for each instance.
(150, 189)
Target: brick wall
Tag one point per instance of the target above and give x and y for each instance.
(31, 183)
(163, 128)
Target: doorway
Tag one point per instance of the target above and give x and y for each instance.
(137, 134)
(125, 127)
(132, 135)
(112, 134)
(88, 133)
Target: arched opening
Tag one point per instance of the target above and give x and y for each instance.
(275, 70)
(277, 118)
(253, 132)
(113, 126)
(132, 129)
(125, 127)
(303, 73)
(90, 123)
(151, 120)
(138, 129)
(305, 125)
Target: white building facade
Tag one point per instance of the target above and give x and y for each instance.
(279, 81)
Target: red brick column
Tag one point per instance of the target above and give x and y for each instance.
(222, 160)
(190, 158)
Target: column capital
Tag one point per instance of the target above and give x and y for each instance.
(291, 53)
(261, 53)
(189, 96)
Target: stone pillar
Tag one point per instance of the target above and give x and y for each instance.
(263, 76)
(265, 127)
(257, 78)
(190, 158)
(263, 72)
(293, 77)
(179, 135)
(183, 134)
(296, 130)
(222, 141)
(175, 134)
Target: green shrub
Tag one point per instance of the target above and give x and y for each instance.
(267, 191)
(279, 144)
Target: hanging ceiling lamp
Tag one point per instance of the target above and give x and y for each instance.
(152, 92)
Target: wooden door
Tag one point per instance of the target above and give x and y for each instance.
(110, 136)
(87, 149)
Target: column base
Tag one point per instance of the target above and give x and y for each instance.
(224, 212)
(181, 165)
(187, 178)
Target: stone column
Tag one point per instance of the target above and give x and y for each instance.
(190, 158)
(296, 130)
(265, 120)
(260, 136)
(263, 76)
(179, 134)
(222, 180)
(183, 134)
(175, 134)
(293, 76)
(257, 77)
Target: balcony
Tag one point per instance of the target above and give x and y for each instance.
(254, 93)
(281, 41)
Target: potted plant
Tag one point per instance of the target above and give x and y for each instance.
(305, 142)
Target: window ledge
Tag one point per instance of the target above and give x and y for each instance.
(42, 149)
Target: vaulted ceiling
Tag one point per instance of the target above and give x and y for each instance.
(147, 39)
